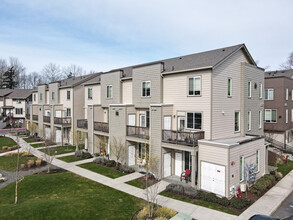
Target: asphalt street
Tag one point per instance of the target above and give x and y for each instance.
(286, 208)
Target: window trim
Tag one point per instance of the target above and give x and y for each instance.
(186, 120)
(241, 167)
(109, 86)
(287, 94)
(140, 116)
(260, 119)
(67, 112)
(239, 116)
(287, 116)
(146, 96)
(249, 89)
(271, 89)
(292, 115)
(88, 97)
(35, 97)
(200, 91)
(231, 86)
(67, 95)
(53, 95)
(260, 91)
(41, 96)
(21, 111)
(271, 115)
(257, 161)
(249, 121)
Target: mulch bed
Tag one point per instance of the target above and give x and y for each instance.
(151, 180)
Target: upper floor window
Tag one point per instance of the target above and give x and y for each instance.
(68, 94)
(18, 101)
(287, 116)
(68, 112)
(229, 87)
(291, 115)
(90, 93)
(194, 120)
(292, 95)
(35, 97)
(249, 121)
(269, 94)
(18, 111)
(109, 92)
(41, 96)
(237, 122)
(257, 160)
(194, 86)
(241, 173)
(270, 115)
(249, 89)
(287, 94)
(146, 89)
(259, 119)
(260, 90)
(53, 95)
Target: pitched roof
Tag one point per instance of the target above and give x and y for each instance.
(95, 80)
(74, 81)
(193, 61)
(279, 73)
(4, 92)
(20, 93)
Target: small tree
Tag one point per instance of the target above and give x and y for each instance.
(78, 139)
(118, 149)
(9, 81)
(102, 144)
(49, 152)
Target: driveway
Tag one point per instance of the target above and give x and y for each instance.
(286, 208)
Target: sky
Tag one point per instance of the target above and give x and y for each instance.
(103, 35)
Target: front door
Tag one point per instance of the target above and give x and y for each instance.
(167, 164)
(131, 120)
(131, 155)
(178, 164)
(181, 123)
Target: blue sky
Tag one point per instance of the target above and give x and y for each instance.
(102, 35)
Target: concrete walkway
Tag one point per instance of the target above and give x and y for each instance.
(65, 155)
(75, 163)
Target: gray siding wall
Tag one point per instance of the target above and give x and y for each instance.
(54, 87)
(150, 73)
(114, 80)
(77, 112)
(42, 89)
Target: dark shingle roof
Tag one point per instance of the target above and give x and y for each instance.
(4, 92)
(20, 93)
(74, 81)
(279, 73)
(95, 80)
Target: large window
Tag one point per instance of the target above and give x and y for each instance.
(109, 92)
(241, 173)
(260, 90)
(287, 116)
(194, 86)
(142, 120)
(237, 122)
(90, 93)
(259, 119)
(35, 97)
(287, 94)
(249, 89)
(269, 94)
(68, 94)
(249, 121)
(41, 96)
(194, 120)
(270, 115)
(229, 87)
(68, 112)
(18, 111)
(257, 160)
(143, 150)
(146, 89)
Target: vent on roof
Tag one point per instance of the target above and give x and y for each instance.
(180, 58)
(223, 50)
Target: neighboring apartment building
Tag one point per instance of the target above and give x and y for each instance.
(201, 112)
(279, 107)
(56, 106)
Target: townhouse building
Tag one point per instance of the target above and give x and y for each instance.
(55, 105)
(202, 112)
(279, 107)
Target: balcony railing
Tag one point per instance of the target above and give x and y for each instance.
(182, 137)
(136, 131)
(46, 119)
(62, 121)
(101, 126)
(82, 123)
(35, 117)
(27, 116)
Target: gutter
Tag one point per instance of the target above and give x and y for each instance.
(187, 70)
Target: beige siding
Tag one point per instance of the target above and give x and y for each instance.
(35, 102)
(47, 97)
(175, 91)
(112, 79)
(127, 92)
(8, 102)
(21, 105)
(96, 100)
(63, 99)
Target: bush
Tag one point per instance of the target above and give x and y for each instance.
(26, 154)
(175, 188)
(86, 155)
(99, 160)
(161, 218)
(211, 197)
(262, 184)
(111, 163)
(5, 147)
(190, 192)
(143, 214)
(278, 175)
(126, 169)
(30, 163)
(39, 162)
(22, 166)
(273, 173)
(239, 203)
(164, 212)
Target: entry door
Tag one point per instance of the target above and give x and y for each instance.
(178, 164)
(181, 123)
(58, 136)
(131, 120)
(167, 164)
(167, 122)
(131, 155)
(58, 114)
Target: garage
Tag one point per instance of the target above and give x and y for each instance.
(58, 136)
(213, 178)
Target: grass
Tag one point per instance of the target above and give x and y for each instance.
(37, 145)
(29, 140)
(66, 196)
(284, 168)
(69, 159)
(137, 184)
(5, 141)
(106, 171)
(59, 150)
(8, 163)
(201, 203)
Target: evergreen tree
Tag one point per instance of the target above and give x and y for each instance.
(9, 81)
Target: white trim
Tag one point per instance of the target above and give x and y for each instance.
(111, 92)
(146, 96)
(287, 116)
(200, 90)
(249, 89)
(260, 90)
(231, 86)
(269, 90)
(287, 93)
(271, 116)
(260, 119)
(257, 160)
(193, 121)
(241, 177)
(239, 120)
(249, 120)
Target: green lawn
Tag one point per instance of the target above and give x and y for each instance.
(59, 150)
(5, 141)
(29, 140)
(284, 168)
(66, 196)
(69, 159)
(106, 171)
(8, 163)
(201, 203)
(137, 184)
(37, 145)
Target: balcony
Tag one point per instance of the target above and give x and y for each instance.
(101, 126)
(62, 121)
(46, 119)
(82, 123)
(27, 116)
(136, 131)
(182, 137)
(35, 117)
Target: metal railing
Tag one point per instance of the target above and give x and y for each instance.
(35, 117)
(136, 131)
(182, 137)
(82, 123)
(27, 116)
(46, 119)
(279, 145)
(62, 121)
(101, 126)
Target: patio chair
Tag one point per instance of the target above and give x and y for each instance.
(186, 176)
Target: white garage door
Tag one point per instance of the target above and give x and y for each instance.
(47, 133)
(167, 164)
(213, 178)
(58, 136)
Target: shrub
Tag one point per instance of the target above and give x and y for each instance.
(30, 163)
(22, 166)
(161, 218)
(279, 161)
(86, 155)
(99, 160)
(26, 154)
(239, 203)
(273, 173)
(110, 163)
(10, 148)
(164, 212)
(211, 197)
(190, 192)
(39, 162)
(278, 175)
(126, 169)
(263, 184)
(175, 188)
(143, 214)
(5, 147)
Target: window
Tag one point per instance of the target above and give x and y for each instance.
(260, 90)
(35, 97)
(194, 120)
(291, 115)
(18, 101)
(287, 116)
(249, 121)
(259, 119)
(270, 115)
(68, 94)
(237, 122)
(68, 112)
(142, 150)
(142, 120)
(18, 111)
(287, 94)
(292, 95)
(109, 92)
(269, 94)
(90, 93)
(241, 168)
(41, 96)
(194, 86)
(249, 89)
(147, 118)
(257, 160)
(146, 89)
(53, 95)
(229, 87)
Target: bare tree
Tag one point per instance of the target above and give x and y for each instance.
(102, 144)
(288, 64)
(18, 68)
(49, 152)
(34, 79)
(3, 69)
(52, 72)
(78, 139)
(118, 149)
(73, 71)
